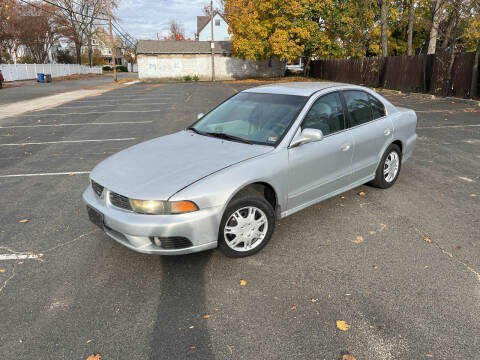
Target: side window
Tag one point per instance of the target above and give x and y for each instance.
(326, 115)
(358, 106)
(378, 109)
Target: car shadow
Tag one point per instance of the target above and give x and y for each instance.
(180, 331)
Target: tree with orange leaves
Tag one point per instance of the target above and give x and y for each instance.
(275, 28)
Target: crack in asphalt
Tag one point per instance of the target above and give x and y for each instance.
(8, 279)
(449, 254)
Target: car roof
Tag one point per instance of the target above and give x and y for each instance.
(299, 88)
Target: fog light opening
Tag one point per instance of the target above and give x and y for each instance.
(156, 241)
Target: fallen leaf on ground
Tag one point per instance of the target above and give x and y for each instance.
(94, 357)
(473, 195)
(427, 240)
(71, 174)
(293, 307)
(342, 325)
(243, 282)
(313, 300)
(348, 357)
(193, 347)
(426, 267)
(358, 240)
(24, 221)
(429, 355)
(342, 197)
(2, 270)
(372, 232)
(206, 316)
(375, 267)
(89, 340)
(361, 193)
(191, 327)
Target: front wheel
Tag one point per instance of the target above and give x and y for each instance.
(389, 167)
(246, 227)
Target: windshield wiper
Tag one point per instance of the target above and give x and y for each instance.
(197, 131)
(229, 137)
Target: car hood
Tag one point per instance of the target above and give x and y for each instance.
(158, 168)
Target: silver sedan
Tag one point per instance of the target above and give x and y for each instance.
(261, 155)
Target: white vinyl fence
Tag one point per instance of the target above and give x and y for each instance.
(135, 67)
(12, 72)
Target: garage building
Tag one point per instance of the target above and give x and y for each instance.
(158, 59)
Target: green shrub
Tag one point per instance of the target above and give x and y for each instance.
(122, 68)
(187, 78)
(195, 78)
(107, 68)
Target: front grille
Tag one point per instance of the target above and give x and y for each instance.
(169, 243)
(120, 201)
(97, 188)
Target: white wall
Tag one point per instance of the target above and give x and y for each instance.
(13, 72)
(220, 33)
(226, 67)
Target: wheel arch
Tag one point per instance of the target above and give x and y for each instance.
(263, 188)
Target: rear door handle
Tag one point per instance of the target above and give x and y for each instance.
(346, 146)
(387, 131)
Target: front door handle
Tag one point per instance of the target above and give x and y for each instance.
(387, 131)
(346, 146)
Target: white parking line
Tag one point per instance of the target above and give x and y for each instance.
(46, 174)
(66, 141)
(19, 256)
(448, 126)
(123, 104)
(130, 99)
(96, 112)
(104, 123)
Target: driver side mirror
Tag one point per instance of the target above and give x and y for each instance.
(200, 115)
(307, 136)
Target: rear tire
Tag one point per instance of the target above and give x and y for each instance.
(389, 168)
(246, 227)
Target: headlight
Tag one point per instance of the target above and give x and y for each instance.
(157, 207)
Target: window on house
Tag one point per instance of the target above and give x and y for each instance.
(217, 22)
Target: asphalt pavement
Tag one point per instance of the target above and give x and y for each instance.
(400, 266)
(28, 90)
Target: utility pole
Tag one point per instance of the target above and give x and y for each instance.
(112, 42)
(212, 44)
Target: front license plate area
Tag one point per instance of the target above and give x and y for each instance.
(95, 217)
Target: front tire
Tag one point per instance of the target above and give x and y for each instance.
(246, 227)
(389, 168)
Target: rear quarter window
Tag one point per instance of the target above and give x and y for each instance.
(378, 109)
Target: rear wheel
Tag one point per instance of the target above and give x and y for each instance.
(246, 227)
(389, 167)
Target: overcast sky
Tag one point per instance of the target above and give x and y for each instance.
(143, 19)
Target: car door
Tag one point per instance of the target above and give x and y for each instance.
(317, 169)
(371, 129)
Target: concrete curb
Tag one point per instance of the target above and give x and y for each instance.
(50, 101)
(429, 96)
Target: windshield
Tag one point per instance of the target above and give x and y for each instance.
(253, 117)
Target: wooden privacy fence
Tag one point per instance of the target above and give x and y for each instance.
(426, 73)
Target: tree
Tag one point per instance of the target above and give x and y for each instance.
(437, 6)
(382, 4)
(37, 30)
(411, 20)
(265, 29)
(64, 57)
(79, 18)
(176, 32)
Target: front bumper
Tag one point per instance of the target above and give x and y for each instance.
(136, 230)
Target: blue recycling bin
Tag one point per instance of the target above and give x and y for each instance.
(40, 77)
